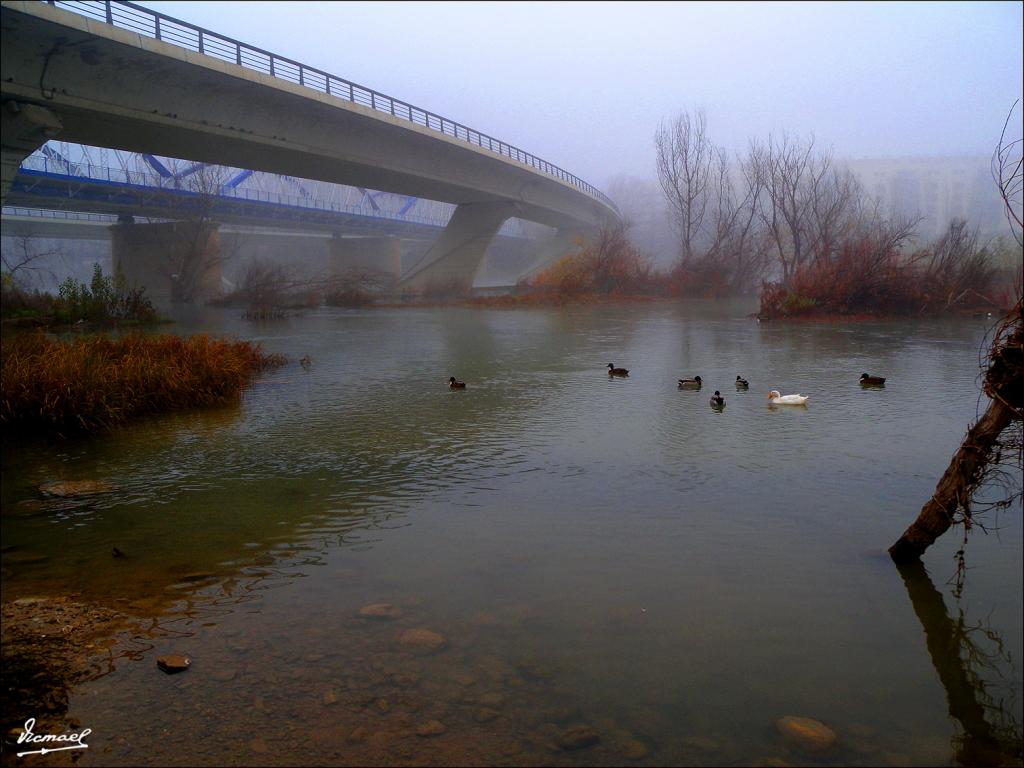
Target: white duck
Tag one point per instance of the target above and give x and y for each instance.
(778, 399)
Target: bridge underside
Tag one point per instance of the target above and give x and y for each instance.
(53, 191)
(149, 253)
(451, 262)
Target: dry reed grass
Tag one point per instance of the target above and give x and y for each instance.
(96, 382)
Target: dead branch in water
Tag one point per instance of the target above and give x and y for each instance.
(980, 454)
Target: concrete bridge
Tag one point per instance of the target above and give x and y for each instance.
(115, 74)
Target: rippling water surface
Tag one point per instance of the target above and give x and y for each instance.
(602, 552)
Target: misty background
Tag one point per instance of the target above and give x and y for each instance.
(924, 86)
(912, 96)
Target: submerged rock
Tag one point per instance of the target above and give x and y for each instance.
(358, 735)
(405, 680)
(224, 675)
(578, 737)
(25, 558)
(701, 743)
(633, 749)
(64, 489)
(807, 733)
(493, 700)
(173, 663)
(431, 728)
(380, 611)
(463, 679)
(422, 640)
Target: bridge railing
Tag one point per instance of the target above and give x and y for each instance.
(42, 213)
(140, 20)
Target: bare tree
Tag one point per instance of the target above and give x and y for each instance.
(781, 169)
(713, 207)
(23, 260)
(686, 159)
(959, 263)
(1008, 172)
(805, 202)
(834, 210)
(737, 243)
(358, 286)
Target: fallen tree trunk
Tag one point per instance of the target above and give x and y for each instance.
(954, 489)
(1004, 383)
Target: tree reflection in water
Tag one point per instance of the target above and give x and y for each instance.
(970, 660)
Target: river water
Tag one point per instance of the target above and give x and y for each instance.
(598, 552)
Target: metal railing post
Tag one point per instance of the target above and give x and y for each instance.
(110, 13)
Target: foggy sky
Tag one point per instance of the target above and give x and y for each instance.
(584, 84)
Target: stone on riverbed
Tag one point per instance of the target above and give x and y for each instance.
(173, 663)
(66, 489)
(807, 733)
(578, 737)
(486, 714)
(422, 640)
(380, 611)
(431, 728)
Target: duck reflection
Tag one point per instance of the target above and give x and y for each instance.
(967, 659)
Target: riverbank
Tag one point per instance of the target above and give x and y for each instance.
(48, 646)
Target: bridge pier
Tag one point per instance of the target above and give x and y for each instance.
(380, 254)
(177, 261)
(26, 127)
(454, 259)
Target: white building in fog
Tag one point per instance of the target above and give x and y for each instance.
(938, 188)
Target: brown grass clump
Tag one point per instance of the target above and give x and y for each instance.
(869, 274)
(95, 382)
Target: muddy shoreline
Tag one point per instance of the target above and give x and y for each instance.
(49, 645)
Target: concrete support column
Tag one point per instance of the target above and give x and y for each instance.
(176, 261)
(562, 243)
(347, 254)
(26, 127)
(454, 258)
